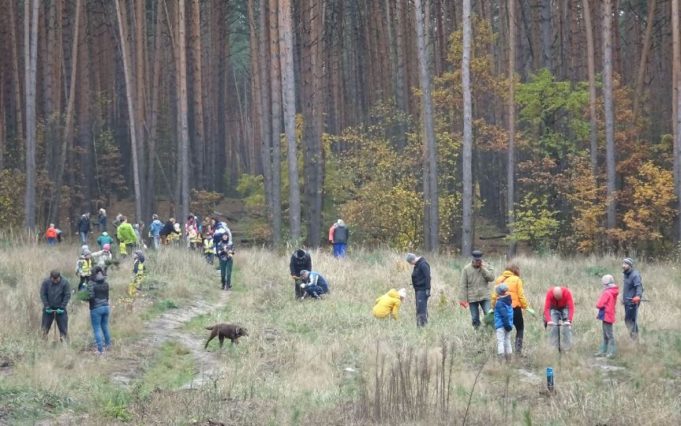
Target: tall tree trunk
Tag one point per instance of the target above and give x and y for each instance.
(510, 171)
(611, 219)
(184, 124)
(430, 176)
(154, 114)
(676, 100)
(197, 93)
(467, 231)
(289, 98)
(276, 96)
(593, 123)
(140, 91)
(401, 74)
(132, 117)
(31, 64)
(644, 56)
(546, 35)
(13, 39)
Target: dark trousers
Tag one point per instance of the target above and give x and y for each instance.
(62, 323)
(422, 307)
(83, 282)
(630, 315)
(226, 273)
(475, 308)
(519, 325)
(296, 287)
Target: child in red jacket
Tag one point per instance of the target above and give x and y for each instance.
(606, 313)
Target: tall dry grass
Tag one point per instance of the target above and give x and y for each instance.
(330, 362)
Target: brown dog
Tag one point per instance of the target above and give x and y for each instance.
(226, 331)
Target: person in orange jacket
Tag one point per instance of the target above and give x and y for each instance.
(51, 235)
(511, 277)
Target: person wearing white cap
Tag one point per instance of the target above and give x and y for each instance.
(632, 291)
(389, 304)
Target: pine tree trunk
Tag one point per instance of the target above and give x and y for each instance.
(197, 94)
(676, 101)
(18, 100)
(121, 15)
(400, 81)
(276, 96)
(154, 115)
(510, 171)
(140, 89)
(644, 56)
(184, 125)
(289, 101)
(31, 64)
(611, 219)
(467, 231)
(593, 121)
(430, 175)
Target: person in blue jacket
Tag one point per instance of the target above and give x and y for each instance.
(503, 321)
(314, 284)
(155, 231)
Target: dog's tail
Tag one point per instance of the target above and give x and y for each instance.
(210, 328)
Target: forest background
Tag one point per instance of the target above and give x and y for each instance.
(421, 123)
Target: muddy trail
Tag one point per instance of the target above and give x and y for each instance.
(169, 327)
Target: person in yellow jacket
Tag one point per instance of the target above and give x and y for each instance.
(389, 303)
(511, 277)
(126, 236)
(138, 270)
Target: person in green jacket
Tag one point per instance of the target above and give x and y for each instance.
(126, 236)
(474, 292)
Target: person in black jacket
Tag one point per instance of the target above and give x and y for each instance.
(98, 292)
(420, 280)
(300, 261)
(84, 227)
(55, 293)
(168, 228)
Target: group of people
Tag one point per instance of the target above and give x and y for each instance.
(306, 282)
(503, 306)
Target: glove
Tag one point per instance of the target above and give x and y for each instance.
(59, 311)
(636, 300)
(463, 304)
(567, 324)
(48, 310)
(302, 286)
(531, 311)
(508, 328)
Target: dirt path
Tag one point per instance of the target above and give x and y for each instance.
(169, 327)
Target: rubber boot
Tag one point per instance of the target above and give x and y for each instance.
(612, 350)
(602, 350)
(518, 346)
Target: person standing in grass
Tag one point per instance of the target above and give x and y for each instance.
(474, 293)
(503, 321)
(340, 235)
(101, 220)
(420, 280)
(84, 227)
(51, 235)
(55, 294)
(84, 268)
(98, 296)
(632, 291)
(103, 258)
(155, 231)
(225, 251)
(138, 268)
(511, 277)
(388, 305)
(300, 261)
(559, 308)
(104, 239)
(126, 236)
(606, 305)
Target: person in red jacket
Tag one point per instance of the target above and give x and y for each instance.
(606, 313)
(559, 310)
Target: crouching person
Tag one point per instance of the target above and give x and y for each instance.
(55, 294)
(314, 284)
(389, 304)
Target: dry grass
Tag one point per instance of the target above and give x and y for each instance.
(330, 362)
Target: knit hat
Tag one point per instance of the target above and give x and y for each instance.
(402, 292)
(105, 233)
(411, 258)
(607, 280)
(86, 252)
(106, 247)
(501, 289)
(477, 254)
(629, 261)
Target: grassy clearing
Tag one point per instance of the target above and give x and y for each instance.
(330, 362)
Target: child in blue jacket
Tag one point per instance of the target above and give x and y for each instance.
(503, 321)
